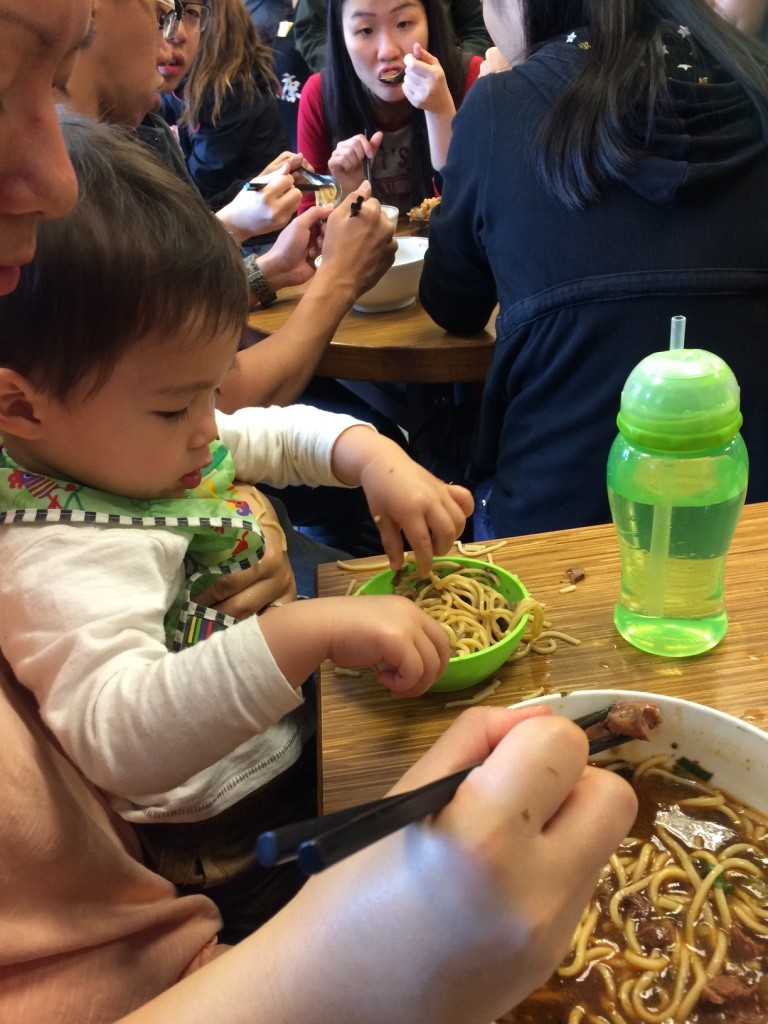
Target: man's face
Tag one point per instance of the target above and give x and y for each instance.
(38, 45)
(127, 47)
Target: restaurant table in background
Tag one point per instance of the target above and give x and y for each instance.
(367, 738)
(404, 346)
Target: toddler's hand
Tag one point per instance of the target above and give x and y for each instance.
(406, 648)
(249, 591)
(405, 498)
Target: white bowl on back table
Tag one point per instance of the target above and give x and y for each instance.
(399, 286)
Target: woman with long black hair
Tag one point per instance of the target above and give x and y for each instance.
(384, 103)
(623, 182)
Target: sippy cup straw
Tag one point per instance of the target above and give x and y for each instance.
(677, 332)
(662, 514)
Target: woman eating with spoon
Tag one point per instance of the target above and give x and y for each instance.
(383, 105)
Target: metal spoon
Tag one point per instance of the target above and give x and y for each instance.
(393, 77)
(326, 188)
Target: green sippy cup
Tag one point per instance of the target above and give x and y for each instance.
(677, 479)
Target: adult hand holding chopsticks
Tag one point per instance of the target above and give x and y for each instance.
(448, 921)
(357, 250)
(352, 158)
(270, 209)
(469, 911)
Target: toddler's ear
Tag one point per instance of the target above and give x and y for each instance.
(20, 405)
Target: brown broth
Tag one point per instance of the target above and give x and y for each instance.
(657, 795)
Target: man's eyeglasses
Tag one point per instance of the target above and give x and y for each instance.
(194, 15)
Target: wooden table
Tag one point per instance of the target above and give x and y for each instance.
(367, 739)
(404, 346)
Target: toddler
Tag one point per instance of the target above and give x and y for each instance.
(118, 506)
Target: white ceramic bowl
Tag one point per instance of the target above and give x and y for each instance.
(734, 751)
(399, 286)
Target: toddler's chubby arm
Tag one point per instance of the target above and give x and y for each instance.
(389, 634)
(404, 498)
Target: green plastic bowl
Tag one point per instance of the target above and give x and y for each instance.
(469, 669)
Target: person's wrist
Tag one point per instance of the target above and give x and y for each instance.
(342, 287)
(257, 281)
(237, 234)
(273, 271)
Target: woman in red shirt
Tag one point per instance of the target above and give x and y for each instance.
(384, 103)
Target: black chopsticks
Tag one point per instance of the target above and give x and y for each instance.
(303, 186)
(317, 843)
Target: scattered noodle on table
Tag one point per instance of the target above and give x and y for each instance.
(478, 698)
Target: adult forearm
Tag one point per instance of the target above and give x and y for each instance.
(277, 370)
(439, 134)
(464, 951)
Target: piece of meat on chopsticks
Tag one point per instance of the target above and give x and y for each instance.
(631, 718)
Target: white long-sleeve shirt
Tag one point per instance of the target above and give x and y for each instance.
(172, 736)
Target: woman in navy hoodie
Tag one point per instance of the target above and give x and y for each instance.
(623, 181)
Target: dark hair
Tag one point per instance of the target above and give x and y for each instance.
(347, 108)
(607, 116)
(139, 255)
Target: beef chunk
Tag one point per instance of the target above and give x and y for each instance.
(658, 934)
(745, 946)
(633, 718)
(638, 906)
(726, 988)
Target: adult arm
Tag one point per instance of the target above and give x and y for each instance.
(425, 88)
(457, 288)
(469, 911)
(356, 252)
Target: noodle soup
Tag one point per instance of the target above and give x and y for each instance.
(677, 930)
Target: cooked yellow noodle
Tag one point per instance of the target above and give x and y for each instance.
(539, 638)
(465, 602)
(608, 980)
(702, 893)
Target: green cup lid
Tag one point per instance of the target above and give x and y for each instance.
(681, 399)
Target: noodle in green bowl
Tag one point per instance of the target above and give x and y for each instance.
(506, 608)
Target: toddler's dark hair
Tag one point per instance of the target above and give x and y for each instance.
(139, 255)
